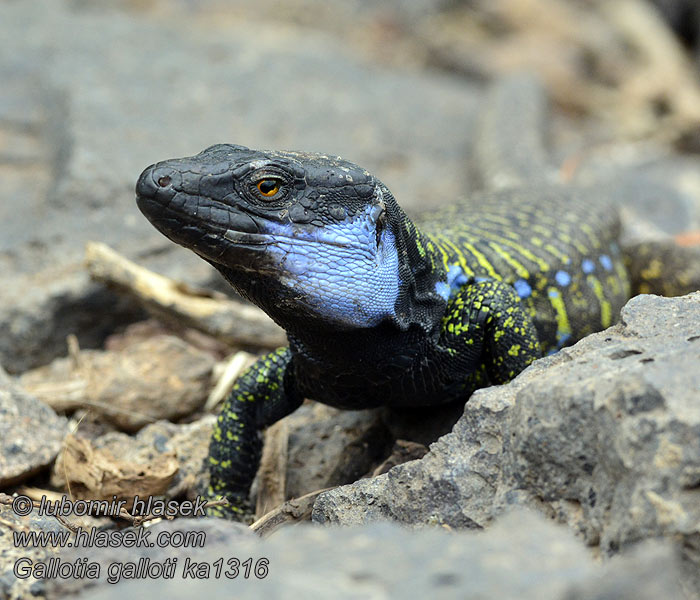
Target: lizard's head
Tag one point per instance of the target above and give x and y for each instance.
(289, 230)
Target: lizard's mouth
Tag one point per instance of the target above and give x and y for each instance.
(214, 240)
(264, 239)
(361, 236)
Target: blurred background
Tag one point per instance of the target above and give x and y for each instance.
(94, 91)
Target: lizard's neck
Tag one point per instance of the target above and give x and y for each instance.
(422, 271)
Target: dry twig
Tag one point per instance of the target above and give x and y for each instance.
(231, 322)
(272, 473)
(292, 511)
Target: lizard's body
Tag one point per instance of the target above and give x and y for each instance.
(560, 256)
(557, 250)
(379, 310)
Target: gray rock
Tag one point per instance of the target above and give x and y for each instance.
(161, 377)
(329, 447)
(207, 538)
(454, 484)
(191, 445)
(649, 570)
(314, 448)
(658, 195)
(188, 442)
(604, 435)
(523, 556)
(30, 434)
(615, 426)
(11, 587)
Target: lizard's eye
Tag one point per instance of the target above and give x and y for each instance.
(268, 187)
(269, 184)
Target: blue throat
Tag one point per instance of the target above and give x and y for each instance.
(343, 272)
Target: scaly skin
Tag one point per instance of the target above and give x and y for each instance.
(379, 310)
(557, 250)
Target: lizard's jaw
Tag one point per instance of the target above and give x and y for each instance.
(345, 275)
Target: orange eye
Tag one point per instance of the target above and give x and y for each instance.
(268, 187)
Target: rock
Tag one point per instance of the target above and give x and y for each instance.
(454, 484)
(314, 448)
(45, 293)
(659, 195)
(190, 444)
(649, 570)
(329, 447)
(31, 434)
(604, 435)
(96, 471)
(11, 587)
(625, 405)
(522, 556)
(208, 535)
(162, 377)
(179, 449)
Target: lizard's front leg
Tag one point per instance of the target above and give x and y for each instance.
(489, 332)
(262, 395)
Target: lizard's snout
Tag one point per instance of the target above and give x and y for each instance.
(154, 179)
(156, 187)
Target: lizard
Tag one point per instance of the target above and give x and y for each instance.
(380, 309)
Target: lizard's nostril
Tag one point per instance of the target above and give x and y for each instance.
(158, 182)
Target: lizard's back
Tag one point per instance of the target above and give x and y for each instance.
(556, 246)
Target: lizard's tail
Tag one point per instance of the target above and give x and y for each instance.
(668, 267)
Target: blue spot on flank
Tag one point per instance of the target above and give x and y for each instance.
(606, 262)
(455, 280)
(563, 278)
(456, 276)
(553, 294)
(562, 338)
(442, 290)
(588, 266)
(522, 288)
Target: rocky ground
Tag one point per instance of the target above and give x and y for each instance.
(579, 479)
